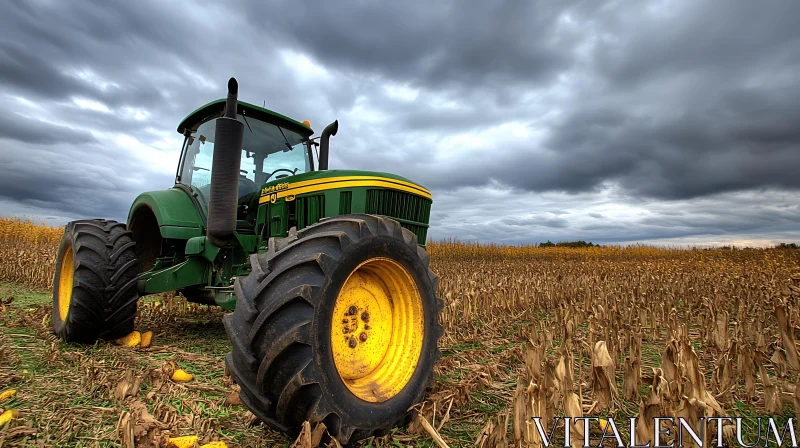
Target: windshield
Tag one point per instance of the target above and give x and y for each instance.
(269, 153)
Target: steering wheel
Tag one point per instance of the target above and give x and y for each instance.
(281, 177)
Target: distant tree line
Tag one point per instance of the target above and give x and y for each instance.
(787, 246)
(580, 243)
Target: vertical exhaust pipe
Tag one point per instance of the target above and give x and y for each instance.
(225, 167)
(324, 144)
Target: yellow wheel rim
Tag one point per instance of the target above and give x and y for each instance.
(65, 284)
(377, 330)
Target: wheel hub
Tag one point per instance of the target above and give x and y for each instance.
(377, 329)
(65, 279)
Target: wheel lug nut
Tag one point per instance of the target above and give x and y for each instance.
(365, 316)
(345, 330)
(352, 311)
(362, 336)
(352, 343)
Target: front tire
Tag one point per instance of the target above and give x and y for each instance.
(94, 288)
(338, 326)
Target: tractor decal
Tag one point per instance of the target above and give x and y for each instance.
(270, 195)
(273, 188)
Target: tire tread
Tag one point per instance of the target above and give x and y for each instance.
(274, 314)
(104, 294)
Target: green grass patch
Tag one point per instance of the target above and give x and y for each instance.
(25, 297)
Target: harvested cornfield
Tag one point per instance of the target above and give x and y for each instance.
(621, 332)
(530, 332)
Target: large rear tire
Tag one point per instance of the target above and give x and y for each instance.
(94, 289)
(340, 325)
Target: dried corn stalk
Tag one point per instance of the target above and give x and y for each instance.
(651, 408)
(603, 385)
(787, 337)
(772, 394)
(633, 364)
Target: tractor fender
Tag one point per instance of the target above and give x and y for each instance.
(175, 213)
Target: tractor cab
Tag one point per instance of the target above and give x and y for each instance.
(273, 147)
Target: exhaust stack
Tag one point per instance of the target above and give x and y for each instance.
(324, 144)
(225, 167)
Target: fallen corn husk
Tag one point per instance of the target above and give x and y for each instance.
(147, 337)
(182, 442)
(6, 417)
(217, 444)
(131, 340)
(8, 394)
(181, 376)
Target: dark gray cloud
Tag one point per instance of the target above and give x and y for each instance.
(30, 130)
(709, 220)
(537, 220)
(446, 44)
(87, 180)
(662, 103)
(528, 120)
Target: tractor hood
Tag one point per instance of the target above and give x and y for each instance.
(318, 181)
(304, 199)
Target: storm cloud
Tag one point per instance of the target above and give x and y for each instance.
(605, 121)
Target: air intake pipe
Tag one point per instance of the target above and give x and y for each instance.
(324, 144)
(225, 167)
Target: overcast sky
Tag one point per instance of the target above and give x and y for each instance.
(649, 121)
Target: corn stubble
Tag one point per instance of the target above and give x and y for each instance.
(551, 332)
(622, 332)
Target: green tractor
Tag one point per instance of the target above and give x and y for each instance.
(335, 314)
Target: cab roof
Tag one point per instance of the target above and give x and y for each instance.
(216, 108)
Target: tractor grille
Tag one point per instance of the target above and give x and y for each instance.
(413, 212)
(310, 209)
(345, 202)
